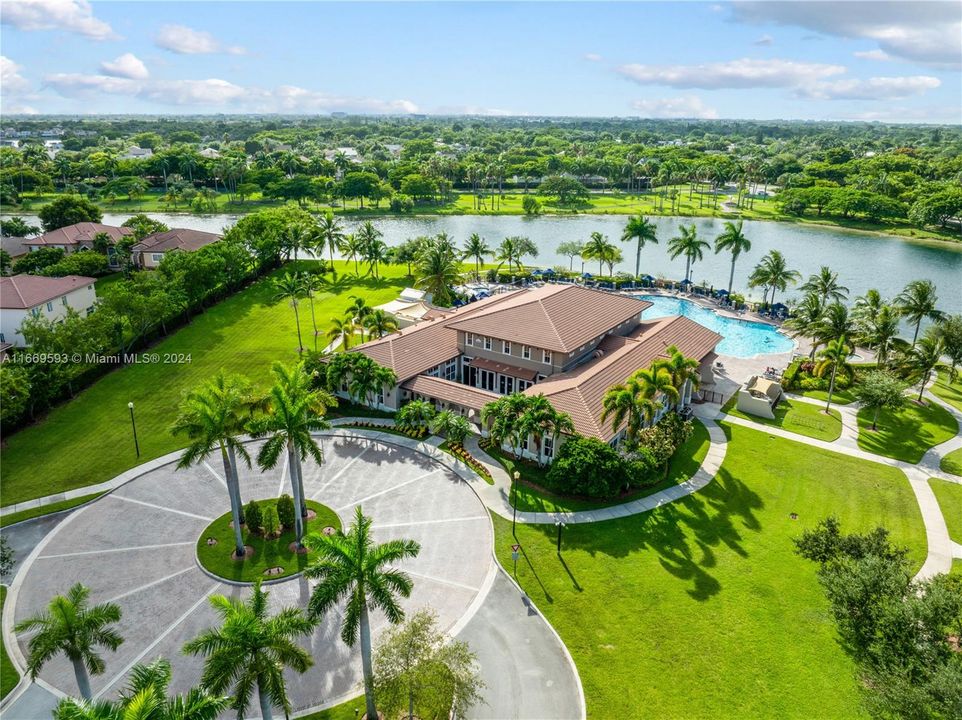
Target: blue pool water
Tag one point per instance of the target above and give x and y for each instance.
(740, 338)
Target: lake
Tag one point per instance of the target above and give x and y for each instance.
(862, 260)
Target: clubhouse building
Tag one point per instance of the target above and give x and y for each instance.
(567, 342)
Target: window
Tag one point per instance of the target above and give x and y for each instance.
(90, 287)
(525, 352)
(156, 257)
(548, 446)
(505, 347)
(524, 443)
(49, 307)
(523, 385)
(546, 357)
(487, 343)
(63, 300)
(469, 339)
(35, 312)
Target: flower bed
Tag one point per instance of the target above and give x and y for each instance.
(458, 451)
(418, 434)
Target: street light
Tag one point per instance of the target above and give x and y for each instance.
(514, 501)
(560, 526)
(133, 424)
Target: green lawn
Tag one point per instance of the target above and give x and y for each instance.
(9, 677)
(268, 553)
(797, 416)
(45, 509)
(952, 463)
(88, 440)
(949, 392)
(534, 498)
(949, 495)
(907, 433)
(839, 397)
(700, 608)
(350, 710)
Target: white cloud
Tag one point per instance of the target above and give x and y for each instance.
(765, 41)
(127, 65)
(686, 106)
(187, 41)
(926, 32)
(593, 57)
(11, 80)
(876, 88)
(79, 85)
(876, 54)
(212, 91)
(69, 15)
(476, 110)
(743, 73)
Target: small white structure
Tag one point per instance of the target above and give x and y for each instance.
(411, 307)
(22, 296)
(759, 397)
(138, 153)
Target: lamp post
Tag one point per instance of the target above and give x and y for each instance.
(133, 424)
(514, 501)
(560, 526)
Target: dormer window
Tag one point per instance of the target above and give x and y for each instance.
(505, 347)
(469, 339)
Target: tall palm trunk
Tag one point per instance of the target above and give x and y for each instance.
(297, 321)
(831, 386)
(731, 276)
(300, 488)
(313, 319)
(296, 489)
(267, 712)
(915, 336)
(875, 418)
(234, 502)
(687, 266)
(925, 380)
(366, 663)
(83, 679)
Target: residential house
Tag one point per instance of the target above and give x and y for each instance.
(23, 296)
(209, 153)
(14, 246)
(567, 342)
(80, 236)
(137, 153)
(151, 250)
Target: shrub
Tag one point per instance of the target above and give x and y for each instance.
(254, 518)
(587, 466)
(285, 511)
(272, 523)
(791, 374)
(642, 468)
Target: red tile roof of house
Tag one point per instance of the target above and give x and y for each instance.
(79, 233)
(176, 239)
(22, 292)
(448, 391)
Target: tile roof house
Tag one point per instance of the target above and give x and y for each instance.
(34, 295)
(567, 342)
(79, 236)
(150, 251)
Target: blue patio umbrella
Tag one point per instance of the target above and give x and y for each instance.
(721, 293)
(536, 272)
(686, 282)
(547, 271)
(587, 276)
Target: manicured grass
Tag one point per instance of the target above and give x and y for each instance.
(799, 417)
(350, 710)
(949, 392)
(907, 433)
(88, 440)
(952, 463)
(9, 677)
(535, 498)
(45, 509)
(956, 568)
(839, 397)
(949, 495)
(268, 553)
(700, 608)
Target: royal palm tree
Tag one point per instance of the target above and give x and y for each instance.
(294, 411)
(331, 233)
(924, 356)
(353, 247)
(373, 249)
(540, 419)
(379, 324)
(806, 320)
(358, 309)
(687, 243)
(835, 323)
(289, 287)
(732, 240)
(880, 332)
(477, 249)
(351, 566)
(918, 302)
(643, 231)
(145, 698)
(311, 284)
(212, 416)
(70, 627)
(251, 649)
(622, 404)
(825, 285)
(681, 369)
(598, 248)
(833, 357)
(343, 329)
(773, 272)
(437, 270)
(368, 379)
(503, 417)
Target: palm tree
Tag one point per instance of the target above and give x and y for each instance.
(642, 230)
(656, 383)
(834, 324)
(145, 698)
(772, 272)
(358, 309)
(353, 246)
(294, 411)
(331, 233)
(374, 250)
(289, 287)
(343, 329)
(681, 369)
(806, 320)
(540, 419)
(687, 243)
(437, 269)
(379, 324)
(598, 248)
(368, 379)
(476, 248)
(504, 419)
(924, 356)
(415, 415)
(312, 283)
(732, 240)
(825, 285)
(918, 302)
(880, 333)
(68, 626)
(212, 416)
(250, 650)
(834, 356)
(621, 405)
(352, 566)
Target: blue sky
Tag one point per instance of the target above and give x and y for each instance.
(892, 61)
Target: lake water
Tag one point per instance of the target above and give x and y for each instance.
(862, 260)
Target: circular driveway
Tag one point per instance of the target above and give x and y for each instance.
(136, 547)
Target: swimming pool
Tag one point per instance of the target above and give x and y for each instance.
(740, 338)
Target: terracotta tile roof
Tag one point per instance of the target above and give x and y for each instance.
(79, 233)
(176, 239)
(580, 391)
(555, 317)
(14, 246)
(22, 292)
(448, 391)
(505, 369)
